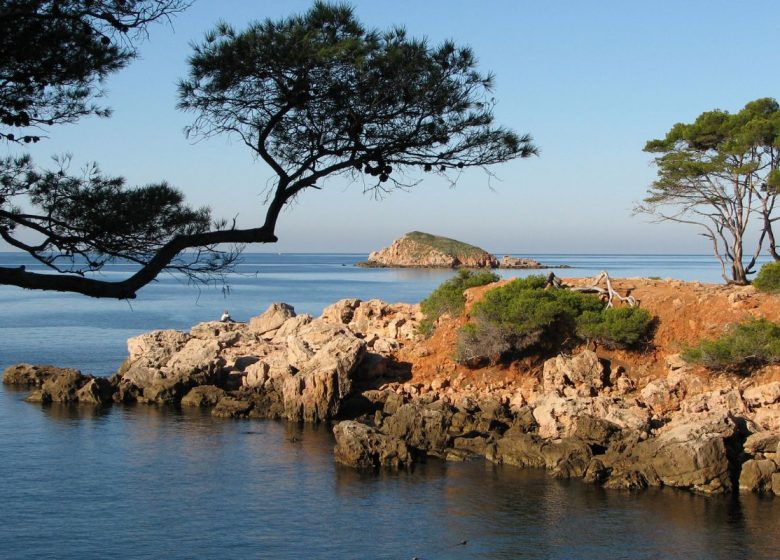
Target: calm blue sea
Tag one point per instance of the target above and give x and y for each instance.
(138, 482)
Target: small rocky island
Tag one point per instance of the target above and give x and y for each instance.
(424, 250)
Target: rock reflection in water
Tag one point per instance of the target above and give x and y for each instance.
(162, 483)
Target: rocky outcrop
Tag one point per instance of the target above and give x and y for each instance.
(603, 417)
(67, 386)
(508, 261)
(29, 375)
(277, 365)
(383, 326)
(361, 446)
(324, 380)
(578, 424)
(423, 250)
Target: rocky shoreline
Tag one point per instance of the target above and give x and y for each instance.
(587, 415)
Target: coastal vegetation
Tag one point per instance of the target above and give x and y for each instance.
(448, 298)
(445, 244)
(424, 250)
(313, 96)
(719, 173)
(742, 348)
(526, 314)
(768, 278)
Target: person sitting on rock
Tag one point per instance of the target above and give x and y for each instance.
(226, 317)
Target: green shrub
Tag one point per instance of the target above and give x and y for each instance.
(477, 342)
(448, 298)
(768, 278)
(743, 347)
(522, 314)
(616, 326)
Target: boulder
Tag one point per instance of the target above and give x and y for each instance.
(568, 457)
(767, 417)
(776, 484)
(231, 407)
(393, 402)
(271, 319)
(156, 347)
(167, 371)
(385, 345)
(519, 448)
(314, 393)
(97, 390)
(689, 453)
(151, 353)
(340, 312)
(760, 443)
(204, 396)
(756, 476)
(167, 391)
(469, 446)
(63, 386)
(197, 361)
(364, 447)
(265, 404)
(595, 431)
(240, 363)
(29, 375)
(256, 375)
(584, 372)
(719, 401)
(624, 413)
(762, 395)
(425, 428)
(555, 414)
(291, 327)
(224, 333)
(126, 393)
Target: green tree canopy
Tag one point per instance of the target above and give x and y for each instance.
(721, 173)
(54, 57)
(318, 95)
(313, 96)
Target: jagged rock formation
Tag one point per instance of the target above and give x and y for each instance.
(278, 365)
(610, 417)
(423, 250)
(579, 424)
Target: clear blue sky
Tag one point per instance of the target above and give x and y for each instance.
(591, 81)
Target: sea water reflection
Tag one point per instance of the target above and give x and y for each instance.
(146, 482)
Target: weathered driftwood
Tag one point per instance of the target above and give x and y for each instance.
(608, 291)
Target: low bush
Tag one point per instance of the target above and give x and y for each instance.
(768, 278)
(616, 326)
(743, 347)
(448, 298)
(523, 314)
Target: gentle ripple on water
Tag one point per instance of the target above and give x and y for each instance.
(139, 482)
